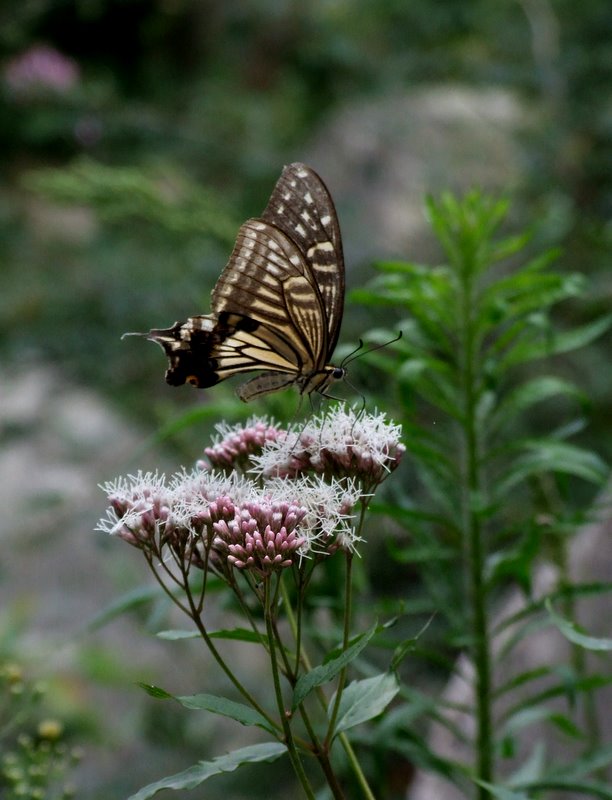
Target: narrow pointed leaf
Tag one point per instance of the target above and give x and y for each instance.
(365, 699)
(572, 632)
(194, 776)
(553, 456)
(157, 692)
(573, 788)
(126, 602)
(535, 391)
(528, 350)
(502, 793)
(235, 634)
(226, 708)
(328, 671)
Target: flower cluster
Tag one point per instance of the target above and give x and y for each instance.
(297, 501)
(342, 444)
(234, 446)
(205, 519)
(261, 536)
(139, 508)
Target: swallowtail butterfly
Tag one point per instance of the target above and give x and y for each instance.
(277, 306)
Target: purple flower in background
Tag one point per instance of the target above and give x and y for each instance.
(41, 68)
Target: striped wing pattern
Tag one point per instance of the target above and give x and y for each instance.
(278, 303)
(303, 209)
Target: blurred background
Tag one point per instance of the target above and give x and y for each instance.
(135, 137)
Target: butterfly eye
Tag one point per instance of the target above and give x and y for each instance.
(338, 373)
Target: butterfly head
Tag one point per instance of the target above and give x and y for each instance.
(321, 380)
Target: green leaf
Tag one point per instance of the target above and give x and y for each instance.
(156, 691)
(407, 646)
(548, 455)
(127, 602)
(196, 775)
(364, 700)
(553, 342)
(523, 678)
(591, 761)
(226, 708)
(532, 392)
(235, 634)
(573, 788)
(328, 671)
(532, 768)
(216, 705)
(502, 793)
(575, 635)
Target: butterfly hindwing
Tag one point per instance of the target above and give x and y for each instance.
(277, 305)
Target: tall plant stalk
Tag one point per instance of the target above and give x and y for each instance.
(471, 498)
(473, 327)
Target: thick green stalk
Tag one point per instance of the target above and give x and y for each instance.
(471, 499)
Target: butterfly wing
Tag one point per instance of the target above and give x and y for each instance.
(277, 305)
(268, 281)
(302, 207)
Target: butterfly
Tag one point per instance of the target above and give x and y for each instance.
(277, 306)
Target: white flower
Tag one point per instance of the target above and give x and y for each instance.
(139, 506)
(234, 444)
(329, 509)
(339, 444)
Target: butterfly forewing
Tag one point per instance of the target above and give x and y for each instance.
(302, 207)
(277, 305)
(267, 280)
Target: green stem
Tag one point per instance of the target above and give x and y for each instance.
(320, 751)
(303, 658)
(192, 612)
(345, 643)
(472, 491)
(288, 735)
(348, 594)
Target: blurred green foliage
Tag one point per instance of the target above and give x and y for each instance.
(208, 100)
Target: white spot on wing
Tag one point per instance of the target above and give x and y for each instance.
(324, 247)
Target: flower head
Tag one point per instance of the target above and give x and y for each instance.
(235, 445)
(341, 444)
(328, 521)
(139, 508)
(262, 536)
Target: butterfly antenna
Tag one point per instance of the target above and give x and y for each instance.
(353, 354)
(356, 354)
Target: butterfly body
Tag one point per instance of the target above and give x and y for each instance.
(277, 306)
